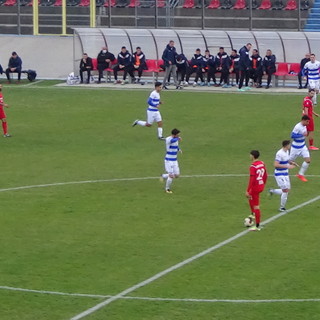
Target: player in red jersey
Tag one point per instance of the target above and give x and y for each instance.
(257, 181)
(3, 115)
(307, 109)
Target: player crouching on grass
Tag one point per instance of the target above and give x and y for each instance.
(153, 113)
(257, 182)
(3, 115)
(170, 161)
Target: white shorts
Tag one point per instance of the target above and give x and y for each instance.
(153, 116)
(314, 84)
(172, 167)
(295, 153)
(283, 182)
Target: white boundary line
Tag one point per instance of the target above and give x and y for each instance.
(160, 299)
(179, 265)
(124, 179)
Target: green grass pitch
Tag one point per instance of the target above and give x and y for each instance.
(118, 229)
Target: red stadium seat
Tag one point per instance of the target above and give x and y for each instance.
(134, 3)
(294, 69)
(265, 5)
(214, 4)
(282, 71)
(188, 4)
(95, 64)
(10, 3)
(58, 3)
(84, 3)
(161, 3)
(291, 5)
(240, 4)
(112, 3)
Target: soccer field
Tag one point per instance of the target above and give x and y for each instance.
(85, 221)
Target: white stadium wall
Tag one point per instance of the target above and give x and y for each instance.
(54, 57)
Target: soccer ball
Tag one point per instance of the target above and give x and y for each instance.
(248, 222)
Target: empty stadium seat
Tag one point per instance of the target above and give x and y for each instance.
(188, 4)
(240, 4)
(254, 4)
(112, 3)
(161, 3)
(10, 3)
(265, 5)
(214, 4)
(282, 71)
(95, 64)
(291, 5)
(84, 3)
(134, 3)
(294, 69)
(58, 3)
(278, 5)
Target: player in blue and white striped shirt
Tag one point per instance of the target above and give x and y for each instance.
(298, 146)
(171, 159)
(312, 70)
(153, 113)
(281, 173)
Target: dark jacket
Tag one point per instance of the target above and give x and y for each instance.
(197, 61)
(125, 58)
(169, 54)
(269, 63)
(303, 62)
(140, 57)
(182, 61)
(15, 63)
(101, 59)
(209, 61)
(222, 61)
(86, 64)
(234, 62)
(256, 62)
(244, 62)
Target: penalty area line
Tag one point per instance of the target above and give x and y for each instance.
(181, 264)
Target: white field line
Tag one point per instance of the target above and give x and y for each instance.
(124, 179)
(183, 263)
(160, 299)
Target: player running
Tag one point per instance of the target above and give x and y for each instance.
(298, 146)
(3, 117)
(307, 109)
(170, 161)
(312, 70)
(281, 173)
(153, 113)
(257, 181)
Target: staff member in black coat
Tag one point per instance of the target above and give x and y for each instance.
(269, 66)
(244, 65)
(139, 62)
(256, 68)
(124, 64)
(85, 66)
(104, 58)
(234, 64)
(302, 63)
(182, 67)
(210, 67)
(14, 65)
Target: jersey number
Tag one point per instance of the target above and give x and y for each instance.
(260, 174)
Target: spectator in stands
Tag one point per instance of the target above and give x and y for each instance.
(244, 66)
(210, 67)
(139, 63)
(85, 66)
(182, 67)
(125, 65)
(223, 65)
(234, 64)
(169, 58)
(197, 66)
(269, 66)
(14, 66)
(256, 68)
(302, 63)
(103, 61)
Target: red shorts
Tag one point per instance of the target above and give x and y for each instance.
(2, 113)
(255, 199)
(310, 126)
